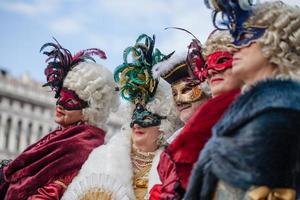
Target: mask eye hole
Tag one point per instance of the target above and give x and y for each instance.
(222, 60)
(186, 89)
(246, 35)
(174, 93)
(72, 102)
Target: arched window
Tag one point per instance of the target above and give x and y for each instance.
(18, 135)
(29, 133)
(6, 132)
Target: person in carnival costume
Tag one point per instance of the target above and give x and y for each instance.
(177, 160)
(85, 96)
(255, 149)
(187, 91)
(126, 167)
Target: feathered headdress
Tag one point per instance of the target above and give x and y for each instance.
(194, 57)
(135, 79)
(60, 62)
(234, 14)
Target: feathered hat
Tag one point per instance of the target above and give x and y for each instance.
(172, 69)
(136, 83)
(90, 81)
(182, 65)
(233, 15)
(60, 62)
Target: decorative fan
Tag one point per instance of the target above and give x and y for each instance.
(97, 187)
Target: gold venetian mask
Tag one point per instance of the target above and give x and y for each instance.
(186, 91)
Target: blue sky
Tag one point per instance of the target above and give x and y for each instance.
(110, 25)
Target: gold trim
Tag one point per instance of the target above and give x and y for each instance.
(168, 74)
(61, 184)
(97, 194)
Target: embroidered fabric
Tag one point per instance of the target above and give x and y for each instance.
(142, 162)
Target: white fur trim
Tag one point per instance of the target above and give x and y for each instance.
(163, 67)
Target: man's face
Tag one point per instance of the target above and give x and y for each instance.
(187, 95)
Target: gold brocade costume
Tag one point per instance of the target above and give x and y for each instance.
(142, 162)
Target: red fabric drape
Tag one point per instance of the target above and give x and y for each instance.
(56, 155)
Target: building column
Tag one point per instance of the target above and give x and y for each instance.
(34, 132)
(23, 141)
(2, 130)
(13, 135)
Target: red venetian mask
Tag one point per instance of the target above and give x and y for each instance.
(70, 101)
(219, 61)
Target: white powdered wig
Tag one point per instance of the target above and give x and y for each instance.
(94, 84)
(165, 66)
(280, 43)
(163, 104)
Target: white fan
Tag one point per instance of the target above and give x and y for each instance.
(97, 187)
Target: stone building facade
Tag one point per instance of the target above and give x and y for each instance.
(26, 113)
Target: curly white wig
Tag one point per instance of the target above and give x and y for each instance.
(281, 41)
(217, 41)
(94, 84)
(164, 105)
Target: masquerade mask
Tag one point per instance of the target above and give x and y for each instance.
(246, 36)
(186, 91)
(70, 101)
(145, 118)
(219, 61)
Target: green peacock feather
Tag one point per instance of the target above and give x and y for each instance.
(135, 78)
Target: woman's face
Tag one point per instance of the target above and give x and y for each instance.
(145, 139)
(68, 108)
(222, 81)
(249, 64)
(66, 118)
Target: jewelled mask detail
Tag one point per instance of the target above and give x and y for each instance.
(70, 101)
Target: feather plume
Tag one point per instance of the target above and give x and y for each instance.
(135, 78)
(230, 14)
(60, 62)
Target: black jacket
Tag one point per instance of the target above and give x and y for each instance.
(256, 143)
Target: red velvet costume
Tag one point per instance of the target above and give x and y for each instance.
(45, 168)
(177, 161)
